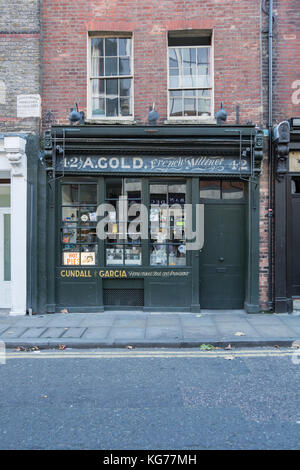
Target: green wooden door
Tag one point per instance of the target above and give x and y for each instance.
(222, 259)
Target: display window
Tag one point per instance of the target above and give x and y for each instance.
(123, 243)
(167, 223)
(78, 224)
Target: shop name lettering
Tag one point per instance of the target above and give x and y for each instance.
(118, 273)
(110, 273)
(156, 165)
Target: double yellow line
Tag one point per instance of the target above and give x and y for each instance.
(139, 353)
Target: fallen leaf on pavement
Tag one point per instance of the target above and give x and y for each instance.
(239, 333)
(206, 347)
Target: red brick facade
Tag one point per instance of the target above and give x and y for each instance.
(235, 25)
(286, 95)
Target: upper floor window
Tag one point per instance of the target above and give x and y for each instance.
(111, 77)
(190, 76)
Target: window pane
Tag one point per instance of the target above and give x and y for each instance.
(111, 48)
(98, 106)
(88, 255)
(158, 256)
(112, 86)
(88, 235)
(232, 189)
(189, 57)
(70, 215)
(125, 86)
(4, 196)
(133, 188)
(98, 87)
(70, 194)
(70, 235)
(111, 66)
(203, 55)
(177, 255)
(71, 257)
(97, 67)
(113, 188)
(112, 106)
(158, 194)
(176, 107)
(133, 255)
(295, 185)
(125, 107)
(97, 47)
(210, 189)
(174, 81)
(114, 255)
(124, 66)
(190, 107)
(124, 46)
(204, 103)
(88, 194)
(173, 62)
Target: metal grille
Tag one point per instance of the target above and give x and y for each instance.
(124, 297)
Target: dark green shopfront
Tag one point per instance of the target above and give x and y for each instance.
(204, 257)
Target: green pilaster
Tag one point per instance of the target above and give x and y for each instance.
(195, 199)
(252, 235)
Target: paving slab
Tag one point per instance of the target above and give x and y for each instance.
(129, 322)
(33, 333)
(98, 333)
(73, 332)
(13, 332)
(53, 332)
(126, 333)
(157, 332)
(95, 321)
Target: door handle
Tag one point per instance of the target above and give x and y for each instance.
(221, 259)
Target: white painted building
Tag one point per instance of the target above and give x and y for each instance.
(13, 223)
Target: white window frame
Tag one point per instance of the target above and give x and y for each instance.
(212, 106)
(112, 119)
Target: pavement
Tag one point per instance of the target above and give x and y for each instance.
(119, 329)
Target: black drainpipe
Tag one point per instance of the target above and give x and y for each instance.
(270, 126)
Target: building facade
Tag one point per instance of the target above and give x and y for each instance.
(20, 108)
(154, 104)
(114, 64)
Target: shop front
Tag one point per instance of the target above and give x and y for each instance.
(153, 219)
(287, 215)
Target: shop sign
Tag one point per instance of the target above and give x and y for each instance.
(121, 273)
(150, 164)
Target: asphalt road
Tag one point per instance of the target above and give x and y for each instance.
(160, 399)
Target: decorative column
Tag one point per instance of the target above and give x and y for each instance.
(15, 151)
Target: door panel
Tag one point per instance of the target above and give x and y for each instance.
(222, 260)
(295, 246)
(5, 284)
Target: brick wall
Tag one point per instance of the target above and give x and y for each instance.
(286, 94)
(19, 60)
(236, 26)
